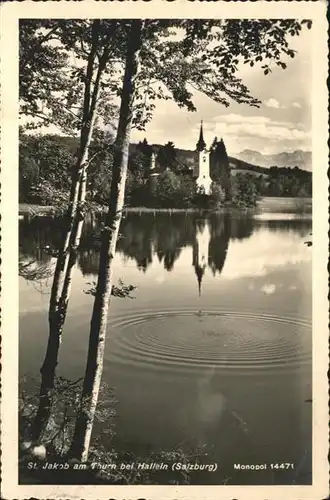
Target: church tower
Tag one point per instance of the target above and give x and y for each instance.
(203, 180)
(153, 173)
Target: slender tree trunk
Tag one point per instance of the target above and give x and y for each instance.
(84, 423)
(48, 369)
(56, 324)
(62, 279)
(85, 138)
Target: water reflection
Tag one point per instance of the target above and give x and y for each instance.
(210, 246)
(195, 365)
(146, 237)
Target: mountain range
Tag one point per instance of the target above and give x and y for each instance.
(299, 158)
(247, 159)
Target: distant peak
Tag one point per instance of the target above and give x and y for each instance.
(299, 158)
(250, 151)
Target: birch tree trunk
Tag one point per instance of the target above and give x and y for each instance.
(62, 279)
(84, 423)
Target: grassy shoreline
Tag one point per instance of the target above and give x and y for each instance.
(266, 204)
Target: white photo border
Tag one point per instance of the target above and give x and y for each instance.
(11, 12)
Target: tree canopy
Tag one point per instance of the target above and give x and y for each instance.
(178, 57)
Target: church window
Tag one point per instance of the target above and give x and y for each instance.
(204, 159)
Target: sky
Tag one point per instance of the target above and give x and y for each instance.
(282, 123)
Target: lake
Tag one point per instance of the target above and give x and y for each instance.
(213, 351)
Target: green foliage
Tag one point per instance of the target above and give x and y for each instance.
(122, 291)
(99, 172)
(101, 455)
(145, 150)
(138, 173)
(53, 64)
(180, 191)
(187, 191)
(262, 42)
(217, 195)
(46, 163)
(44, 193)
(280, 182)
(174, 191)
(288, 182)
(220, 170)
(136, 190)
(35, 272)
(28, 172)
(243, 190)
(206, 57)
(168, 186)
(65, 394)
(59, 435)
(42, 69)
(166, 157)
(208, 54)
(44, 169)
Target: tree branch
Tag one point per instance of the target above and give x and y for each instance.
(48, 35)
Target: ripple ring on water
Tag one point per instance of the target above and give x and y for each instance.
(223, 339)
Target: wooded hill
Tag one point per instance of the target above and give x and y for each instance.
(186, 157)
(46, 164)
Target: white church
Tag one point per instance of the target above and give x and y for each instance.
(198, 162)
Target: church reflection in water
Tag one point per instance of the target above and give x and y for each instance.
(210, 246)
(144, 238)
(148, 238)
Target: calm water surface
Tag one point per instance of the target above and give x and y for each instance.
(215, 348)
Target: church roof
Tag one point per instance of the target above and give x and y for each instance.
(199, 271)
(201, 144)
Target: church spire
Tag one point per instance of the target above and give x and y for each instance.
(199, 273)
(201, 144)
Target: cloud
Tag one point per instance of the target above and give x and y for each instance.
(258, 127)
(263, 253)
(260, 131)
(272, 103)
(268, 289)
(296, 105)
